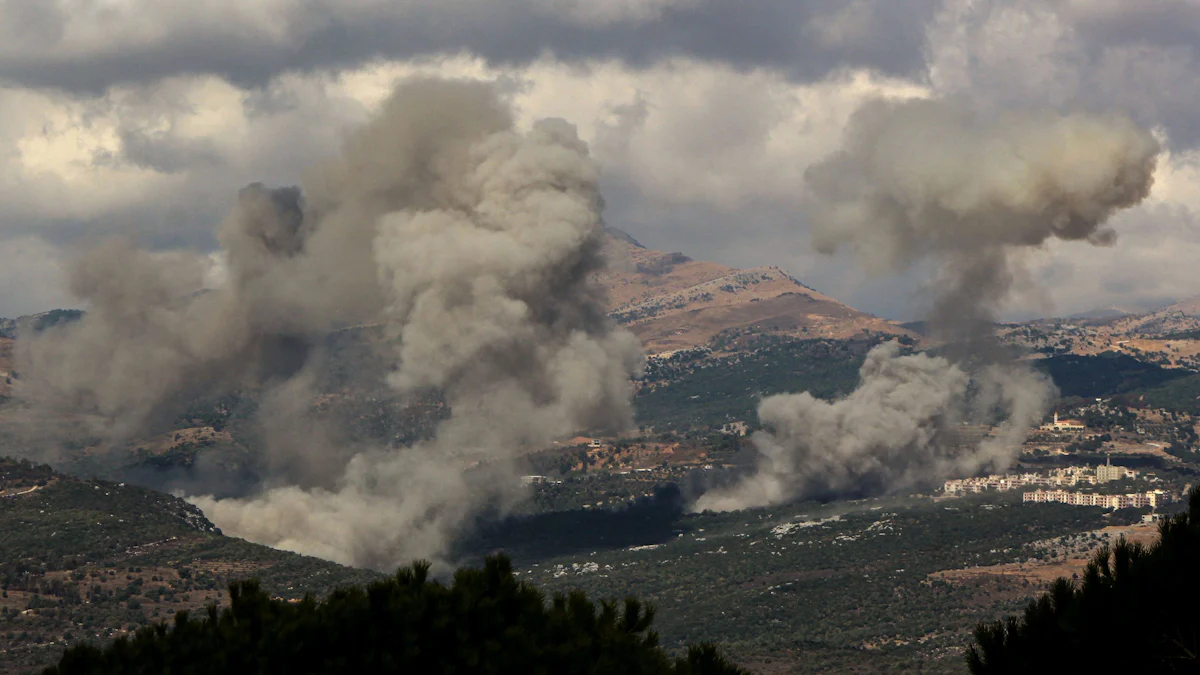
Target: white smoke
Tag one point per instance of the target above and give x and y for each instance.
(473, 243)
(937, 180)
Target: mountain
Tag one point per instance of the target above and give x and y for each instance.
(803, 588)
(673, 302)
(1188, 306)
(9, 328)
(1168, 337)
(622, 235)
(1180, 317)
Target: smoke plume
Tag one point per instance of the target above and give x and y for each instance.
(473, 243)
(938, 181)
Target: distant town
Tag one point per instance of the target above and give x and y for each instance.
(1070, 476)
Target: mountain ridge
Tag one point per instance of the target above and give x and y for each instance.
(673, 302)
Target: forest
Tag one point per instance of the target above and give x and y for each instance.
(708, 393)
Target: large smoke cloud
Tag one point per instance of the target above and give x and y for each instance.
(935, 180)
(471, 241)
(898, 429)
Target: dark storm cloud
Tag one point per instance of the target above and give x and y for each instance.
(1099, 55)
(1145, 56)
(1169, 23)
(807, 39)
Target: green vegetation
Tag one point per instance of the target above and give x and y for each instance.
(789, 589)
(645, 519)
(1134, 611)
(1181, 335)
(688, 393)
(1104, 375)
(485, 622)
(1178, 395)
(792, 589)
(95, 559)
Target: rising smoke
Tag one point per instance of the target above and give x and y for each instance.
(472, 242)
(936, 181)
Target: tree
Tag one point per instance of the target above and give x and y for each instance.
(1135, 611)
(485, 622)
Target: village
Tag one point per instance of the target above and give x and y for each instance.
(1101, 453)
(1157, 437)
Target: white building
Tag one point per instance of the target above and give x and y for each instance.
(1063, 425)
(1153, 499)
(1107, 472)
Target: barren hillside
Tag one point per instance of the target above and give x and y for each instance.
(1169, 336)
(1181, 317)
(673, 302)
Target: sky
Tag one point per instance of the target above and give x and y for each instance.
(142, 118)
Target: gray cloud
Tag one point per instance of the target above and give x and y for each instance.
(50, 47)
(698, 159)
(31, 277)
(1151, 263)
(1139, 58)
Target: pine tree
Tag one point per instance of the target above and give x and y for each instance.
(1133, 611)
(486, 622)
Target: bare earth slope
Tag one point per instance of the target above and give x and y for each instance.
(1169, 336)
(1180, 317)
(673, 302)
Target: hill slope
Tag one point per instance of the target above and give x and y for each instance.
(93, 560)
(674, 302)
(1180, 317)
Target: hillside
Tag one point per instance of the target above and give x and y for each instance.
(845, 587)
(94, 560)
(673, 302)
(790, 586)
(6, 366)
(1168, 336)
(679, 394)
(1179, 317)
